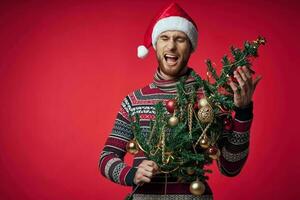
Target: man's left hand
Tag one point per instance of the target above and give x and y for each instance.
(243, 76)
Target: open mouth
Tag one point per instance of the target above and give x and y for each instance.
(171, 59)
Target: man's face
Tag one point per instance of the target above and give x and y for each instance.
(173, 50)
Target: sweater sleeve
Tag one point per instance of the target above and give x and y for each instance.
(234, 146)
(111, 162)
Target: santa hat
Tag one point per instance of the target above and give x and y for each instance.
(174, 18)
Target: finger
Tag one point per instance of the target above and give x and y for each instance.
(247, 72)
(155, 167)
(142, 176)
(148, 168)
(242, 74)
(137, 178)
(147, 174)
(248, 81)
(145, 179)
(144, 163)
(233, 87)
(255, 82)
(241, 82)
(150, 163)
(141, 180)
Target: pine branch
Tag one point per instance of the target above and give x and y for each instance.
(212, 70)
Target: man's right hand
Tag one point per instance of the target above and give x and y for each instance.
(145, 171)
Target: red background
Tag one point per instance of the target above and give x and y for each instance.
(66, 66)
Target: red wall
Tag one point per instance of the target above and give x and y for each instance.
(65, 67)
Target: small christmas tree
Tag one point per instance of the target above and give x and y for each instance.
(184, 135)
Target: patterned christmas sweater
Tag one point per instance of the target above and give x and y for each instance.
(233, 145)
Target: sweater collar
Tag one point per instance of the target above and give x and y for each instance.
(170, 85)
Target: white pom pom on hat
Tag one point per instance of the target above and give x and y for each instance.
(142, 51)
(173, 17)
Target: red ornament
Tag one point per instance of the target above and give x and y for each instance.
(196, 107)
(212, 150)
(170, 105)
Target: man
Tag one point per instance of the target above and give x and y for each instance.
(173, 34)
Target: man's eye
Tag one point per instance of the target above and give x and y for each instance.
(164, 38)
(181, 39)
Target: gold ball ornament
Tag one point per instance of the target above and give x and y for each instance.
(203, 102)
(197, 188)
(206, 114)
(132, 147)
(173, 121)
(204, 143)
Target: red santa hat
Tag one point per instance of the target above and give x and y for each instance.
(174, 18)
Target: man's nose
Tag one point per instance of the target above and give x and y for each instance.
(171, 45)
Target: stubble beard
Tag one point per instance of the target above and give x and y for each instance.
(175, 71)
